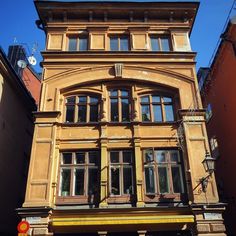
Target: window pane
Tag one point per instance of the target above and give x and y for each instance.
(124, 93)
(66, 158)
(82, 99)
(92, 181)
(127, 180)
(157, 113)
(125, 109)
(148, 156)
(65, 182)
(114, 44)
(160, 156)
(177, 180)
(163, 180)
(93, 157)
(80, 157)
(113, 93)
(145, 99)
(79, 182)
(124, 44)
(156, 99)
(149, 180)
(93, 113)
(174, 157)
(72, 44)
(169, 113)
(145, 113)
(155, 44)
(167, 99)
(165, 44)
(70, 100)
(93, 100)
(70, 113)
(115, 181)
(82, 114)
(127, 157)
(83, 44)
(114, 110)
(114, 156)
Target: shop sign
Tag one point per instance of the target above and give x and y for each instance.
(212, 216)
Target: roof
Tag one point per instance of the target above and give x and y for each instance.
(155, 9)
(16, 81)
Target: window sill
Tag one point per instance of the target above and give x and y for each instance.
(89, 200)
(165, 197)
(120, 199)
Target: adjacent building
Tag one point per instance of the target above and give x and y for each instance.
(16, 132)
(20, 61)
(217, 85)
(120, 133)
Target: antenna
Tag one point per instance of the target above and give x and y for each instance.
(32, 60)
(22, 64)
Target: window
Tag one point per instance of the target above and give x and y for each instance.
(79, 174)
(119, 43)
(208, 112)
(78, 43)
(214, 147)
(82, 108)
(121, 173)
(160, 43)
(119, 105)
(162, 172)
(156, 108)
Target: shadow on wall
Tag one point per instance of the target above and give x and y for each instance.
(16, 130)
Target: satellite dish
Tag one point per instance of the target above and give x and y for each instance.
(21, 63)
(32, 60)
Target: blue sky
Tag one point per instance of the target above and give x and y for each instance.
(17, 23)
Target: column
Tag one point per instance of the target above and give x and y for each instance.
(104, 174)
(139, 173)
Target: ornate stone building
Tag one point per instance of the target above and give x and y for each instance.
(120, 134)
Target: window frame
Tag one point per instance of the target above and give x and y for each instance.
(160, 45)
(158, 196)
(88, 104)
(119, 37)
(86, 166)
(77, 37)
(119, 98)
(121, 165)
(162, 105)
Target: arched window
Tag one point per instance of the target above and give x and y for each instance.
(157, 108)
(119, 105)
(82, 108)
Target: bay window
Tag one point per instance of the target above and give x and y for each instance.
(121, 173)
(79, 176)
(163, 172)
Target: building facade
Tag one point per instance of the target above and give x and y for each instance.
(217, 86)
(16, 133)
(120, 133)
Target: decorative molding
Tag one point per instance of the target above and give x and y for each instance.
(118, 70)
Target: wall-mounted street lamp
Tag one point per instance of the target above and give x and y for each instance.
(209, 166)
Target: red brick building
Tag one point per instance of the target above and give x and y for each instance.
(218, 86)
